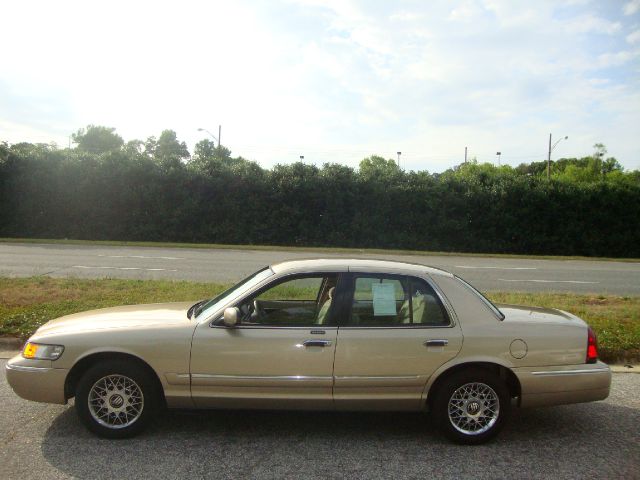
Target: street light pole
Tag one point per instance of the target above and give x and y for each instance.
(549, 155)
(212, 135)
(399, 153)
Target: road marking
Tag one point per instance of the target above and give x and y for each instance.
(124, 268)
(497, 268)
(140, 256)
(546, 281)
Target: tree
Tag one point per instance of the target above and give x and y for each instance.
(376, 167)
(97, 139)
(167, 150)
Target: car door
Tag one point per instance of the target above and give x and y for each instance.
(397, 332)
(281, 353)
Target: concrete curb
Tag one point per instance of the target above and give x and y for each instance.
(10, 343)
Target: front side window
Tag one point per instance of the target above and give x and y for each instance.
(297, 302)
(395, 301)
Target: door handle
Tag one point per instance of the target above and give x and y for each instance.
(440, 342)
(317, 343)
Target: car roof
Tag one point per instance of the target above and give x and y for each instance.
(354, 265)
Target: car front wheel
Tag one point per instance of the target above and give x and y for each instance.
(116, 399)
(472, 406)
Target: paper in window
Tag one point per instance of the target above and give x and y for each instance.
(384, 299)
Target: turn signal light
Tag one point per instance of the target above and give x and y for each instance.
(592, 347)
(30, 350)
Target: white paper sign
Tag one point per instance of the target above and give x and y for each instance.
(384, 299)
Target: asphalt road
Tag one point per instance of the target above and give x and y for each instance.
(230, 265)
(595, 440)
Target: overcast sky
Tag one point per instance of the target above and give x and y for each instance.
(334, 81)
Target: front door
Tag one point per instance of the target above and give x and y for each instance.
(396, 334)
(279, 356)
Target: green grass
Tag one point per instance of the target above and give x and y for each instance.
(321, 250)
(27, 303)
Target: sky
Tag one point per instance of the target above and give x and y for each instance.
(331, 80)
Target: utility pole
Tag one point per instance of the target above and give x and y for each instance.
(465, 155)
(219, 134)
(399, 153)
(498, 154)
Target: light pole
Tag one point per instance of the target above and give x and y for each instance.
(399, 153)
(212, 135)
(498, 154)
(302, 158)
(549, 156)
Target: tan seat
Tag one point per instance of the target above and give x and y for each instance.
(324, 309)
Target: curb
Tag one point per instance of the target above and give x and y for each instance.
(10, 343)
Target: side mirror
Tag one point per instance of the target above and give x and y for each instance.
(231, 317)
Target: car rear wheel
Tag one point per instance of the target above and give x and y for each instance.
(116, 399)
(471, 406)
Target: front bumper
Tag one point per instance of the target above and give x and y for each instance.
(36, 380)
(557, 385)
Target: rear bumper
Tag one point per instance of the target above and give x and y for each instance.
(36, 382)
(557, 385)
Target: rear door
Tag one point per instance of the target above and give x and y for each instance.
(396, 333)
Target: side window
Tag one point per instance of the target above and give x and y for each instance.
(380, 301)
(297, 302)
(387, 301)
(426, 307)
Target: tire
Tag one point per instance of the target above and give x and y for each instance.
(116, 399)
(471, 406)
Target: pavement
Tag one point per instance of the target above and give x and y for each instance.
(228, 265)
(593, 440)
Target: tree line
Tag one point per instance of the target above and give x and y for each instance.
(107, 189)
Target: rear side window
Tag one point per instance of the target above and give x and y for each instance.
(395, 301)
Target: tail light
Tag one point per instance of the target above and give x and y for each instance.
(592, 347)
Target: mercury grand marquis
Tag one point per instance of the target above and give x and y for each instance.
(332, 334)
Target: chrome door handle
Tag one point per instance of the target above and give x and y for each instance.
(317, 343)
(441, 342)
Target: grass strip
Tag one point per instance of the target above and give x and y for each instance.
(284, 248)
(27, 303)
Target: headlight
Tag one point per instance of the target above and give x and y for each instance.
(40, 351)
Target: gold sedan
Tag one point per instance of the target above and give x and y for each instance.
(317, 334)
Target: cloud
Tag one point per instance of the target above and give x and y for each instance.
(592, 24)
(633, 37)
(632, 7)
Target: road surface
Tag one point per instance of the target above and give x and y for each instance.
(591, 440)
(222, 265)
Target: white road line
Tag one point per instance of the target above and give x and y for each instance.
(497, 268)
(545, 281)
(124, 268)
(140, 256)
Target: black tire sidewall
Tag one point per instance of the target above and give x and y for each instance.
(116, 367)
(450, 385)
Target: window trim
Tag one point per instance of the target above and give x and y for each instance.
(331, 324)
(349, 293)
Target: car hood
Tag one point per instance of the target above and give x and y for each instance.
(119, 317)
(518, 313)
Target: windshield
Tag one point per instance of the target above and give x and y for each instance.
(227, 296)
(496, 311)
